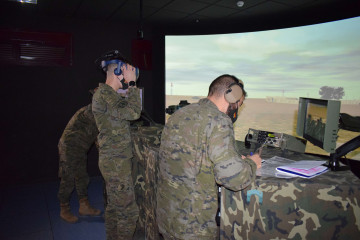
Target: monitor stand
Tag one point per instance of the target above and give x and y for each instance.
(334, 161)
(334, 164)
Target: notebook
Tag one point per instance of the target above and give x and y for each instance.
(304, 168)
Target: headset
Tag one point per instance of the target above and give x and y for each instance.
(117, 70)
(234, 92)
(114, 57)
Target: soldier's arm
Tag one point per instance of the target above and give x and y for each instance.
(97, 105)
(230, 170)
(128, 108)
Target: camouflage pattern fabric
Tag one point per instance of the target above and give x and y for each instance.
(324, 207)
(145, 170)
(112, 115)
(197, 152)
(79, 135)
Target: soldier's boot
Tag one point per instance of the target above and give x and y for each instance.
(66, 214)
(86, 209)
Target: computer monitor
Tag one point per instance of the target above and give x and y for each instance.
(318, 122)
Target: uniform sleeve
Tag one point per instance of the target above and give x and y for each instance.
(230, 170)
(125, 108)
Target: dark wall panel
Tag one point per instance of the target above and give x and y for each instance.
(38, 101)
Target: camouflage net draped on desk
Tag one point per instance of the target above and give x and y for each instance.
(324, 207)
(145, 168)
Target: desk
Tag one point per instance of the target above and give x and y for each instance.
(145, 168)
(324, 207)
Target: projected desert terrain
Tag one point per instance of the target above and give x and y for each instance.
(277, 114)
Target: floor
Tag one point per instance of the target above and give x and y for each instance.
(31, 212)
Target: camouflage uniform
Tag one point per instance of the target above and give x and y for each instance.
(75, 142)
(112, 114)
(197, 152)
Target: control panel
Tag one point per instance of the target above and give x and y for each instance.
(267, 138)
(274, 139)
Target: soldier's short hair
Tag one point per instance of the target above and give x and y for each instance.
(218, 87)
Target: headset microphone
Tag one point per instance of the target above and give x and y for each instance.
(124, 84)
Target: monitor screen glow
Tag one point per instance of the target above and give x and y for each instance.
(318, 122)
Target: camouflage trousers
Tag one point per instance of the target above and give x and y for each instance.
(73, 173)
(121, 213)
(167, 236)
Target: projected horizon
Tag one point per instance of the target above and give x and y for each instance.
(277, 67)
(293, 62)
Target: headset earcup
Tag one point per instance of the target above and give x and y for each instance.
(117, 71)
(233, 94)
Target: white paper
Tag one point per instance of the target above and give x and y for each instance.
(268, 168)
(305, 164)
(304, 168)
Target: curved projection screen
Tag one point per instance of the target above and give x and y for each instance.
(277, 67)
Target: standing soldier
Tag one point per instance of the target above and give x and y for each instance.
(112, 114)
(75, 142)
(197, 153)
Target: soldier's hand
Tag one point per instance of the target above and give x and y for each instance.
(129, 73)
(256, 158)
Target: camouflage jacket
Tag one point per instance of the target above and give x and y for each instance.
(112, 114)
(80, 132)
(197, 152)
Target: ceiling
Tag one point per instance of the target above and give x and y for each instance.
(192, 16)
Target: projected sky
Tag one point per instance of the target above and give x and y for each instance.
(293, 62)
